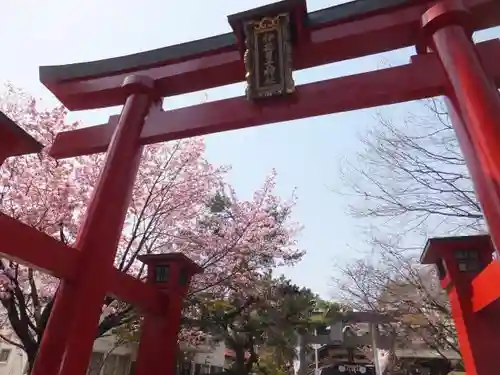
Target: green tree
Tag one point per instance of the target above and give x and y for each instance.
(260, 324)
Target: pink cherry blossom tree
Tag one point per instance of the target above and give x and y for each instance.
(180, 203)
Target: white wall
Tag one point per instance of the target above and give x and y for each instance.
(213, 355)
(204, 355)
(16, 361)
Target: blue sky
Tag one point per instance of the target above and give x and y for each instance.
(306, 153)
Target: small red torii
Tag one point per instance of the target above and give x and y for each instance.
(447, 63)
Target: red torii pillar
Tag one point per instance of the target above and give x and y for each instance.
(474, 102)
(474, 106)
(71, 330)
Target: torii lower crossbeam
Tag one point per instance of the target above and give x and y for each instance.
(46, 254)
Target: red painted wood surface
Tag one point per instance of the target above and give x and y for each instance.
(478, 332)
(101, 229)
(484, 285)
(72, 327)
(54, 258)
(373, 34)
(424, 77)
(485, 289)
(475, 107)
(88, 273)
(159, 332)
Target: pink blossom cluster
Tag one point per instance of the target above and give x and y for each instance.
(172, 210)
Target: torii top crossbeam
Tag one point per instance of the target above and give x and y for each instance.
(341, 32)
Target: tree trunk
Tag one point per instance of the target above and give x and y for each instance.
(239, 365)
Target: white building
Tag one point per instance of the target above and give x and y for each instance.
(13, 360)
(110, 360)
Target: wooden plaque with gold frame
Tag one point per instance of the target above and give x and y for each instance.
(268, 57)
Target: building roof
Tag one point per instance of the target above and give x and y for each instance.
(427, 353)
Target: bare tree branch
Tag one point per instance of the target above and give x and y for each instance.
(409, 182)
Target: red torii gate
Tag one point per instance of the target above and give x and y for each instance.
(447, 64)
